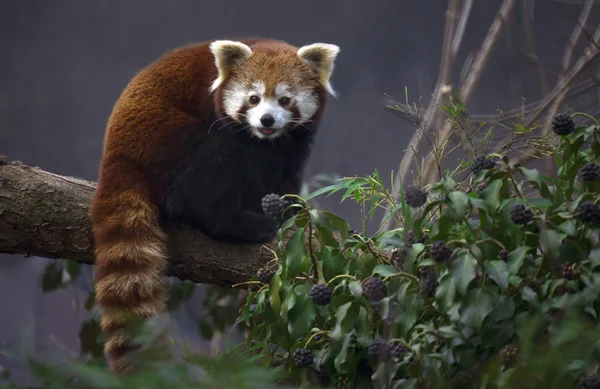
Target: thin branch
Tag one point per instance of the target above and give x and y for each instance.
(560, 91)
(468, 88)
(444, 78)
(532, 54)
(570, 46)
(465, 12)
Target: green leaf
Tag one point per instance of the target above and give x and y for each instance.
(498, 272)
(445, 293)
(356, 289)
(52, 278)
(492, 195)
(385, 270)
(462, 270)
(337, 223)
(477, 306)
(302, 315)
(550, 241)
(344, 319)
(516, 259)
(457, 208)
(342, 355)
(594, 257)
(295, 253)
(274, 299)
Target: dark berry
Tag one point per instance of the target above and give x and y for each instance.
(303, 357)
(399, 351)
(415, 196)
(323, 377)
(379, 349)
(570, 272)
(375, 289)
(265, 275)
(503, 254)
(589, 381)
(410, 238)
(399, 256)
(481, 163)
(317, 337)
(440, 252)
(428, 280)
(520, 214)
(320, 294)
(588, 211)
(589, 172)
(273, 206)
(375, 314)
(509, 354)
(562, 124)
(480, 190)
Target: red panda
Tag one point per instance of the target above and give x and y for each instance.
(200, 136)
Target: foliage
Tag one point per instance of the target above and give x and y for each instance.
(465, 294)
(515, 305)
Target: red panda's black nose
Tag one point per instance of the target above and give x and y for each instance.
(267, 120)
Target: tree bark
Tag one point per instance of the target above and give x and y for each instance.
(47, 215)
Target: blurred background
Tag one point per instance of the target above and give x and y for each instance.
(64, 63)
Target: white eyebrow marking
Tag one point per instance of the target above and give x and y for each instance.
(282, 89)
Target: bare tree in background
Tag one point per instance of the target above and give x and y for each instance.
(439, 135)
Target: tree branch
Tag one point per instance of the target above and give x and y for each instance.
(467, 89)
(46, 215)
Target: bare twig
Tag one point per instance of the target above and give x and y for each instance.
(444, 79)
(532, 53)
(559, 93)
(467, 89)
(465, 12)
(570, 46)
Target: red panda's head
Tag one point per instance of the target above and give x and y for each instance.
(272, 87)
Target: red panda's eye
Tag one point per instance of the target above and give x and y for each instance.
(254, 99)
(284, 101)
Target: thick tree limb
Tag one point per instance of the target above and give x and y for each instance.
(46, 215)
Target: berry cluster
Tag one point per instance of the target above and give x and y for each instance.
(570, 272)
(481, 163)
(503, 254)
(399, 351)
(379, 349)
(320, 294)
(415, 196)
(323, 377)
(520, 214)
(303, 357)
(588, 211)
(375, 289)
(480, 190)
(273, 206)
(399, 257)
(428, 280)
(265, 275)
(589, 171)
(440, 252)
(562, 124)
(509, 354)
(589, 381)
(410, 238)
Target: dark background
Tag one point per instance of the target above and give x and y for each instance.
(63, 64)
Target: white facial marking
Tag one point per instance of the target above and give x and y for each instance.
(237, 95)
(268, 106)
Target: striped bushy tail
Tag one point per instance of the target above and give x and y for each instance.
(130, 265)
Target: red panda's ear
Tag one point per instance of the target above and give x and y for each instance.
(227, 53)
(321, 57)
